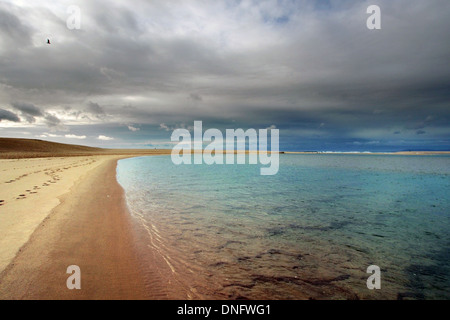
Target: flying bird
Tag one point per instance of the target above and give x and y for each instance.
(48, 41)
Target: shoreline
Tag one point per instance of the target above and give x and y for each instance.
(396, 153)
(91, 228)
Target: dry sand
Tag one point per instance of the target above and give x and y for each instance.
(58, 212)
(30, 189)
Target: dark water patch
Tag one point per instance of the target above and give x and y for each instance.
(185, 223)
(410, 296)
(275, 279)
(316, 288)
(228, 243)
(432, 234)
(239, 284)
(197, 206)
(297, 280)
(422, 270)
(378, 235)
(431, 281)
(339, 225)
(276, 231)
(357, 249)
(325, 282)
(422, 277)
(277, 210)
(335, 225)
(218, 264)
(280, 230)
(274, 252)
(243, 258)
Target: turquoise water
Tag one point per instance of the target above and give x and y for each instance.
(310, 231)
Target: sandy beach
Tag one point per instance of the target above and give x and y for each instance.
(57, 212)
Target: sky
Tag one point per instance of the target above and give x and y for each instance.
(134, 71)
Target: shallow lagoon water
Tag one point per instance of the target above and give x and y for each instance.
(309, 231)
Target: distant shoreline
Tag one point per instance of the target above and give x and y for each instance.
(14, 148)
(402, 153)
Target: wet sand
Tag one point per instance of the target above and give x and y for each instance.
(90, 228)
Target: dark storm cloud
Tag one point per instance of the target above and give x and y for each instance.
(29, 111)
(313, 70)
(28, 108)
(8, 115)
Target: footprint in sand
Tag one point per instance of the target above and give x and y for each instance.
(2, 202)
(21, 196)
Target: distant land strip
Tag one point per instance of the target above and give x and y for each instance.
(16, 148)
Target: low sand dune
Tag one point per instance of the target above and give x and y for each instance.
(11, 148)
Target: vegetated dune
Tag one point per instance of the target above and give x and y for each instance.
(14, 148)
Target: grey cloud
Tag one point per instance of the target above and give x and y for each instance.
(95, 109)
(28, 108)
(12, 31)
(8, 115)
(117, 19)
(196, 97)
(51, 120)
(415, 126)
(29, 111)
